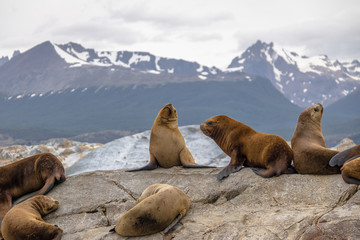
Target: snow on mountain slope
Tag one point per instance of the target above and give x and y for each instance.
(69, 152)
(133, 151)
(137, 60)
(303, 80)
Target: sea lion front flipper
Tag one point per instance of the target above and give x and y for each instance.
(153, 164)
(235, 165)
(342, 157)
(49, 184)
(173, 223)
(350, 180)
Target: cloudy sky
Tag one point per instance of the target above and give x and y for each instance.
(210, 32)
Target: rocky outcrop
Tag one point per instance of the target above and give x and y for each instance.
(66, 150)
(242, 206)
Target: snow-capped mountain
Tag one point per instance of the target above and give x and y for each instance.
(55, 67)
(303, 80)
(135, 60)
(50, 67)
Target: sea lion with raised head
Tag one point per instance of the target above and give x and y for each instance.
(167, 144)
(268, 154)
(24, 221)
(310, 153)
(36, 175)
(160, 207)
(349, 161)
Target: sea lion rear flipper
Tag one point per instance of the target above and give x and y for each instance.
(263, 172)
(49, 184)
(149, 166)
(173, 223)
(342, 157)
(58, 236)
(197, 166)
(227, 171)
(153, 164)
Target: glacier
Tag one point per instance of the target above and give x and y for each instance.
(133, 151)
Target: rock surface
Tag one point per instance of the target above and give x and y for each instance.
(242, 206)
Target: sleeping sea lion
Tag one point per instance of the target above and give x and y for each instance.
(36, 175)
(310, 153)
(167, 145)
(269, 154)
(24, 221)
(160, 207)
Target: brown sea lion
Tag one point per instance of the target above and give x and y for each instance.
(167, 145)
(310, 153)
(349, 160)
(160, 207)
(350, 171)
(24, 221)
(36, 175)
(269, 154)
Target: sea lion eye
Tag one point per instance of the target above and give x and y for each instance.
(316, 109)
(210, 123)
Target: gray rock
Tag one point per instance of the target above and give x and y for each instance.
(242, 206)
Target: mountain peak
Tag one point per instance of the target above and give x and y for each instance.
(295, 76)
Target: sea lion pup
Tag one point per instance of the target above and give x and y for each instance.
(269, 154)
(160, 207)
(24, 221)
(310, 153)
(36, 173)
(167, 145)
(349, 161)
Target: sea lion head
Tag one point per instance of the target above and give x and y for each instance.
(45, 204)
(167, 114)
(312, 114)
(212, 126)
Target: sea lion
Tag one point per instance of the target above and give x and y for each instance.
(24, 221)
(160, 207)
(310, 153)
(269, 154)
(167, 145)
(36, 173)
(349, 161)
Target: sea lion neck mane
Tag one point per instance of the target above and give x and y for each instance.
(309, 125)
(223, 133)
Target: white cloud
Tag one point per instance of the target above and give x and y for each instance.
(210, 32)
